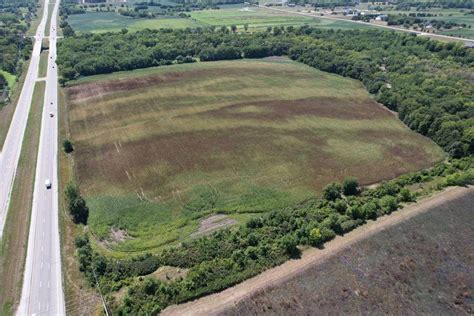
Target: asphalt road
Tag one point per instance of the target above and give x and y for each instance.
(42, 292)
(10, 155)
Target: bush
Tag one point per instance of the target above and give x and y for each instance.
(369, 210)
(67, 146)
(315, 237)
(350, 186)
(332, 191)
(388, 204)
(405, 195)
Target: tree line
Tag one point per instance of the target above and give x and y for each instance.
(427, 82)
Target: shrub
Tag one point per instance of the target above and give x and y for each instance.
(369, 210)
(332, 191)
(388, 204)
(67, 146)
(405, 195)
(315, 237)
(350, 186)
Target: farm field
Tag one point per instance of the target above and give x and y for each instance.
(406, 269)
(159, 149)
(256, 18)
(112, 22)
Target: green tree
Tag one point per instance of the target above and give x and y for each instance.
(388, 204)
(405, 195)
(76, 204)
(67, 146)
(332, 191)
(350, 186)
(315, 237)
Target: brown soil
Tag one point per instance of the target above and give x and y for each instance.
(210, 224)
(275, 277)
(167, 273)
(285, 109)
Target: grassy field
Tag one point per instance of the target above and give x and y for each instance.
(15, 237)
(11, 78)
(256, 18)
(406, 269)
(158, 149)
(111, 21)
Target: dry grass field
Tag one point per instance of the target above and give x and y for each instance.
(160, 148)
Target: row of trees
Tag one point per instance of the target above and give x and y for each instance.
(447, 4)
(408, 21)
(425, 81)
(229, 256)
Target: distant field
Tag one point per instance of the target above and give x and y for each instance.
(256, 18)
(157, 149)
(421, 266)
(111, 21)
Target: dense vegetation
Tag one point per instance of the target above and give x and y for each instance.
(426, 82)
(230, 256)
(419, 20)
(15, 47)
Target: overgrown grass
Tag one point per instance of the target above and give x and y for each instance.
(15, 234)
(158, 149)
(43, 64)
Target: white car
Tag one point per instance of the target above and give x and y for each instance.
(47, 183)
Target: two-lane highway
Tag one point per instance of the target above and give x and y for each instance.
(42, 292)
(12, 147)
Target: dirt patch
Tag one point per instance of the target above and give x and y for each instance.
(272, 110)
(116, 236)
(212, 223)
(168, 274)
(393, 265)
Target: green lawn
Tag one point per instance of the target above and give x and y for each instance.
(157, 149)
(11, 78)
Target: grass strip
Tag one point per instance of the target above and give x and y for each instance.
(15, 237)
(43, 64)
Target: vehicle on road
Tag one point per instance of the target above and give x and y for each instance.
(47, 183)
(51, 114)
